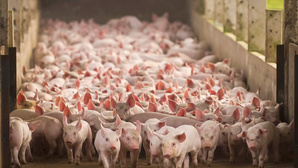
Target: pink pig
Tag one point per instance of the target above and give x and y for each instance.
(75, 134)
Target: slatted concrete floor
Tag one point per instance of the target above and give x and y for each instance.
(57, 162)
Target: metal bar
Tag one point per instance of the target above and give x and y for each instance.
(5, 78)
(295, 114)
(280, 77)
(13, 77)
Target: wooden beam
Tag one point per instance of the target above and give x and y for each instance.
(256, 23)
(218, 13)
(242, 24)
(274, 22)
(209, 9)
(230, 16)
(10, 29)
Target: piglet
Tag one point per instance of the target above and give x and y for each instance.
(75, 134)
(107, 144)
(285, 134)
(209, 132)
(258, 138)
(131, 141)
(19, 139)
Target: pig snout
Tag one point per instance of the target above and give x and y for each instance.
(253, 148)
(207, 148)
(167, 155)
(135, 148)
(69, 141)
(154, 155)
(112, 148)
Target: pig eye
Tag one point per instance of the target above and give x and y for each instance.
(202, 138)
(211, 137)
(151, 144)
(128, 138)
(107, 139)
(145, 132)
(223, 133)
(74, 133)
(258, 137)
(173, 144)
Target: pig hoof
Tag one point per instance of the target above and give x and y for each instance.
(254, 165)
(18, 165)
(23, 162)
(261, 166)
(77, 163)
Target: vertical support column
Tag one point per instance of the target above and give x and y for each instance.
(209, 9)
(242, 17)
(296, 115)
(273, 33)
(280, 77)
(3, 24)
(230, 16)
(10, 29)
(218, 13)
(256, 22)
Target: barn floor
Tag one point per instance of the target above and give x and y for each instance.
(56, 162)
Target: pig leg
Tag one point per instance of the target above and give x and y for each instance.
(78, 151)
(28, 153)
(88, 148)
(122, 157)
(194, 156)
(23, 154)
(275, 147)
(262, 155)
(60, 145)
(186, 161)
(114, 159)
(254, 158)
(266, 158)
(15, 152)
(148, 154)
(134, 155)
(181, 160)
(210, 156)
(69, 154)
(202, 156)
(232, 153)
(104, 159)
(52, 144)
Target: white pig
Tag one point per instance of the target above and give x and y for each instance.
(75, 134)
(285, 135)
(107, 144)
(20, 134)
(258, 139)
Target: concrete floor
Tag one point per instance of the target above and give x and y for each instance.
(57, 162)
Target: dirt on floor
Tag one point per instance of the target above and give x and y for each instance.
(58, 162)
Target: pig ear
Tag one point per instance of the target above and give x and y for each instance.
(172, 106)
(149, 133)
(217, 112)
(103, 131)
(138, 124)
(90, 105)
(57, 100)
(33, 125)
(226, 61)
(199, 115)
(79, 124)
(118, 121)
(220, 93)
(161, 124)
(181, 137)
(79, 106)
(263, 132)
(236, 114)
(66, 112)
(154, 17)
(158, 135)
(131, 101)
(65, 121)
(166, 15)
(276, 108)
(256, 102)
(21, 98)
(87, 97)
(246, 111)
(242, 135)
(83, 113)
(198, 127)
(119, 132)
(113, 102)
(191, 106)
(62, 105)
(124, 131)
(152, 107)
(77, 84)
(39, 110)
(211, 66)
(181, 112)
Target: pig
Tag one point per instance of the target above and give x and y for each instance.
(131, 141)
(155, 144)
(143, 117)
(127, 109)
(258, 138)
(285, 135)
(175, 121)
(107, 144)
(23, 102)
(272, 114)
(51, 129)
(179, 142)
(24, 114)
(74, 135)
(209, 132)
(20, 135)
(230, 118)
(235, 144)
(154, 124)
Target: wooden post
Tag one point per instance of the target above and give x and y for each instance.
(273, 33)
(280, 76)
(230, 16)
(256, 23)
(3, 24)
(242, 17)
(218, 13)
(296, 115)
(10, 29)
